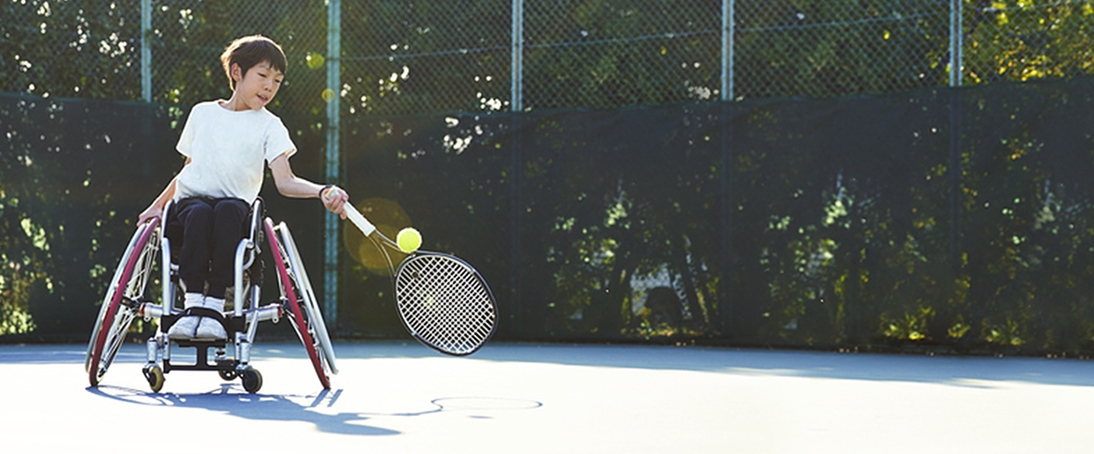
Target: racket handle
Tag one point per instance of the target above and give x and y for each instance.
(357, 219)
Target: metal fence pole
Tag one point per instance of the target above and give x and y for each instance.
(516, 106)
(956, 42)
(333, 158)
(515, 101)
(956, 74)
(725, 306)
(727, 49)
(146, 50)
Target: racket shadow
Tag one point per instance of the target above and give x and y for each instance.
(475, 407)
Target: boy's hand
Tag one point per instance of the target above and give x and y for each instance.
(333, 198)
(149, 214)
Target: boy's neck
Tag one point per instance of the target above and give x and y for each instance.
(234, 104)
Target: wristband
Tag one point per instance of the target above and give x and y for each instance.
(322, 192)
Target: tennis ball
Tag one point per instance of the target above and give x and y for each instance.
(409, 239)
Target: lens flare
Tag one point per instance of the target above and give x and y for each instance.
(316, 60)
(389, 218)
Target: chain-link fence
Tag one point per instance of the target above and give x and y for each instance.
(163, 51)
(843, 47)
(1027, 40)
(412, 75)
(420, 56)
(425, 56)
(54, 49)
(187, 38)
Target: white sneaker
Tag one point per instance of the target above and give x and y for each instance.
(187, 327)
(211, 328)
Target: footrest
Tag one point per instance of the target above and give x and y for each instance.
(202, 362)
(202, 344)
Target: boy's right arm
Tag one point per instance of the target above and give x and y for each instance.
(156, 208)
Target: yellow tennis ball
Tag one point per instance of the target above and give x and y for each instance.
(409, 239)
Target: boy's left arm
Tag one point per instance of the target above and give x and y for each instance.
(290, 185)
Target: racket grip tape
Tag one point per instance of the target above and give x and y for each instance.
(358, 220)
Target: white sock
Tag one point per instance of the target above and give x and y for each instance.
(194, 300)
(216, 304)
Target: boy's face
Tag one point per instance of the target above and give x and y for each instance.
(258, 86)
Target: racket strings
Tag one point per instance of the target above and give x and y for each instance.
(442, 300)
(445, 303)
(460, 327)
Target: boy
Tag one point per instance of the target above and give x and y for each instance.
(225, 144)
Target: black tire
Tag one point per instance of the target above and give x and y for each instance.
(120, 306)
(154, 375)
(252, 380)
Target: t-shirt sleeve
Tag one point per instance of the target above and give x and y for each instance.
(278, 141)
(186, 140)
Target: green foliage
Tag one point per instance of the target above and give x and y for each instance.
(1019, 40)
(83, 49)
(605, 53)
(425, 56)
(188, 38)
(71, 182)
(832, 48)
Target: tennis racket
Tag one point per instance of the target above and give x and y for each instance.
(443, 302)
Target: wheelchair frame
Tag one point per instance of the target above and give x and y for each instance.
(127, 298)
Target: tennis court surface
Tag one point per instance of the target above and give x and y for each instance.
(554, 398)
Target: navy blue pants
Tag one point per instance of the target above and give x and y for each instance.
(211, 231)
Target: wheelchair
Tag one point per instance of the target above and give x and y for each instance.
(129, 297)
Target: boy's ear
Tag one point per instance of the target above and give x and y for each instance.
(236, 72)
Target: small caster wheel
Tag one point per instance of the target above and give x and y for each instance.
(252, 380)
(227, 369)
(154, 375)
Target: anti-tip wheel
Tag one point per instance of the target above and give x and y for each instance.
(154, 375)
(252, 380)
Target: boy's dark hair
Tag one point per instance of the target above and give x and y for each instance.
(249, 51)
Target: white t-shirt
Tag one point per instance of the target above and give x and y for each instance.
(227, 149)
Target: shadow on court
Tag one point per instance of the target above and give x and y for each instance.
(259, 407)
(396, 397)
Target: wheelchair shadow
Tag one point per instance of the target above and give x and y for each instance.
(259, 407)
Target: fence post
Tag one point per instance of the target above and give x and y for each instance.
(725, 306)
(515, 96)
(728, 26)
(516, 106)
(956, 42)
(333, 158)
(146, 50)
(956, 74)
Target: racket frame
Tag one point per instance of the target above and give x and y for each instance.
(382, 241)
(413, 332)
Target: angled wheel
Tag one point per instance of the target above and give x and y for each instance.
(122, 301)
(307, 300)
(306, 327)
